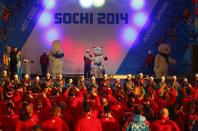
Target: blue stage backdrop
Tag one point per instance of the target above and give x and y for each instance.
(127, 30)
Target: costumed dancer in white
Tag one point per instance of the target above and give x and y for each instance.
(99, 58)
(56, 58)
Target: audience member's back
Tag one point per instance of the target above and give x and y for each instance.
(139, 122)
(88, 122)
(164, 124)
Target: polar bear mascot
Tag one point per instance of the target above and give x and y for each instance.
(162, 60)
(98, 69)
(56, 57)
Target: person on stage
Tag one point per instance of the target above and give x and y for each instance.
(87, 65)
(6, 59)
(149, 63)
(44, 62)
(13, 62)
(19, 64)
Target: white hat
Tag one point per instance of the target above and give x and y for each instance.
(141, 74)
(185, 79)
(163, 78)
(70, 80)
(129, 75)
(48, 74)
(16, 76)
(196, 75)
(60, 75)
(26, 76)
(174, 77)
(93, 78)
(151, 78)
(105, 75)
(4, 71)
(37, 78)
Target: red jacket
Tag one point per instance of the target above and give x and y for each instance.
(110, 124)
(67, 118)
(88, 123)
(44, 60)
(3, 105)
(1, 90)
(55, 124)
(8, 122)
(44, 112)
(181, 120)
(165, 103)
(74, 106)
(28, 124)
(164, 125)
(118, 110)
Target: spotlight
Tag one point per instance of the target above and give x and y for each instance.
(99, 3)
(137, 4)
(45, 19)
(49, 4)
(139, 19)
(86, 3)
(52, 34)
(129, 35)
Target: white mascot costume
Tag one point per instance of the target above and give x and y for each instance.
(162, 60)
(56, 58)
(98, 69)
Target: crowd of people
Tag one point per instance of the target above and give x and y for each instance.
(133, 104)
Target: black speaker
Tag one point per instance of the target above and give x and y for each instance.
(195, 59)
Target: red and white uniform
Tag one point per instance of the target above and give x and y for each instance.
(164, 125)
(88, 123)
(55, 124)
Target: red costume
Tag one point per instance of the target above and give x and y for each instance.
(74, 105)
(118, 110)
(43, 112)
(88, 123)
(8, 121)
(67, 117)
(27, 125)
(110, 124)
(55, 124)
(164, 125)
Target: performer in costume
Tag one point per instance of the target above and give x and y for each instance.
(13, 62)
(99, 58)
(44, 62)
(56, 58)
(87, 65)
(162, 60)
